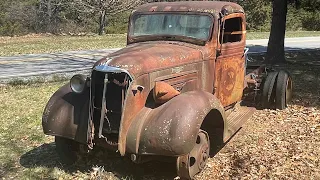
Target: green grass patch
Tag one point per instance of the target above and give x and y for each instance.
(21, 131)
(49, 44)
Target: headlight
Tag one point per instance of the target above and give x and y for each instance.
(78, 83)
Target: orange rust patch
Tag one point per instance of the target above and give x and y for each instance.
(168, 8)
(163, 92)
(153, 8)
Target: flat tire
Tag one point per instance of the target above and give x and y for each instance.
(268, 90)
(283, 89)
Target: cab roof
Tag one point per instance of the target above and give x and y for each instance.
(212, 7)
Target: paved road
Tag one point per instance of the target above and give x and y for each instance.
(302, 43)
(45, 64)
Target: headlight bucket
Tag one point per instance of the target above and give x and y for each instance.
(78, 83)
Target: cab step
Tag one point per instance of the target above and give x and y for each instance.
(236, 117)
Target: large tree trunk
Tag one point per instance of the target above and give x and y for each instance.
(275, 51)
(102, 22)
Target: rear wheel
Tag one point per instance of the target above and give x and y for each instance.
(268, 91)
(283, 89)
(67, 150)
(193, 163)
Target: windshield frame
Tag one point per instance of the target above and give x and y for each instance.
(168, 37)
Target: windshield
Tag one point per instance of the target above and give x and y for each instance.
(187, 25)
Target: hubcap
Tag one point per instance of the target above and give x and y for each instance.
(191, 164)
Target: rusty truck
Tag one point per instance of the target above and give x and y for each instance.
(180, 88)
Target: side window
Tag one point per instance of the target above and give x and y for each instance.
(232, 30)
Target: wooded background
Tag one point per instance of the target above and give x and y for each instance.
(19, 17)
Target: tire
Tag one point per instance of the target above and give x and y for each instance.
(268, 91)
(283, 89)
(67, 150)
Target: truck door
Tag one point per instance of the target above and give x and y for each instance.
(230, 62)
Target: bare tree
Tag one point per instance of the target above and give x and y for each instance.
(103, 8)
(49, 14)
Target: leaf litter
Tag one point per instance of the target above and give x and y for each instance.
(276, 144)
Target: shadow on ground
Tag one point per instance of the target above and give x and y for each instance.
(114, 166)
(121, 167)
(306, 56)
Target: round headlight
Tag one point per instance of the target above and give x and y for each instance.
(78, 83)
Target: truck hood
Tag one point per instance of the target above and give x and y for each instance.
(142, 58)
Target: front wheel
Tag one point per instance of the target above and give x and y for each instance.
(67, 150)
(193, 163)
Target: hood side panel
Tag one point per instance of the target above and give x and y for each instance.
(143, 58)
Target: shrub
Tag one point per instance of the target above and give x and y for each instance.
(118, 24)
(311, 21)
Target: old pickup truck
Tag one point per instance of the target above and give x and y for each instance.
(180, 88)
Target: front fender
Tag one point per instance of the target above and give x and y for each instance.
(66, 114)
(171, 129)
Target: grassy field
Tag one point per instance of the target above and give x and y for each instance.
(48, 44)
(272, 145)
(21, 131)
(33, 44)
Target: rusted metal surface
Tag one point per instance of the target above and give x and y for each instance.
(146, 57)
(235, 118)
(134, 102)
(230, 68)
(163, 92)
(178, 121)
(192, 163)
(66, 115)
(182, 78)
(213, 7)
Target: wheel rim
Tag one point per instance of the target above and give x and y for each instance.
(288, 90)
(191, 164)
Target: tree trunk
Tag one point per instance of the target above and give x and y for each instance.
(49, 16)
(102, 22)
(275, 50)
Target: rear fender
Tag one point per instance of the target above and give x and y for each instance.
(171, 129)
(66, 115)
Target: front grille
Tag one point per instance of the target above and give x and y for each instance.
(111, 109)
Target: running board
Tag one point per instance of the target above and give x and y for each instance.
(236, 117)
